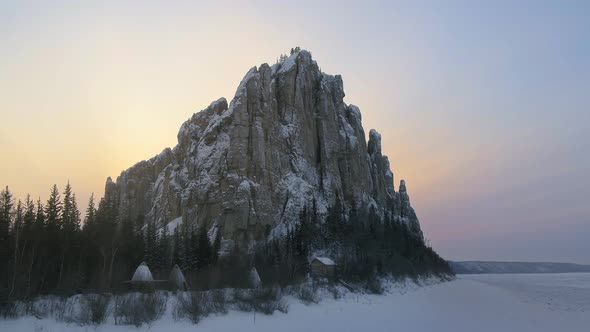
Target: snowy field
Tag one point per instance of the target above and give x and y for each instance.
(548, 302)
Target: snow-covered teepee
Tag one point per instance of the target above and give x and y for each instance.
(142, 274)
(254, 278)
(177, 278)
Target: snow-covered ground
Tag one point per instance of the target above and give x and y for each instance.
(549, 302)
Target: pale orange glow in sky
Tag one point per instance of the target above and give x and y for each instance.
(480, 117)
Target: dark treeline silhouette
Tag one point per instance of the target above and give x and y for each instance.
(47, 248)
(40, 244)
(50, 248)
(363, 245)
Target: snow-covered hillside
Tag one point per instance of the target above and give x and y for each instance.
(550, 302)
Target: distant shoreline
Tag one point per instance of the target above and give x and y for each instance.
(494, 267)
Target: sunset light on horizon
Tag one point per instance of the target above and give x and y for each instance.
(482, 108)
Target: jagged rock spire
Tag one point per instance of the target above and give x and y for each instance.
(285, 140)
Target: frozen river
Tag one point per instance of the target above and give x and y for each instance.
(512, 302)
(556, 292)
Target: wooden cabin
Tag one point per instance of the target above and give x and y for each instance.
(323, 267)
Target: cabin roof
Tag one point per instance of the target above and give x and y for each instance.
(325, 261)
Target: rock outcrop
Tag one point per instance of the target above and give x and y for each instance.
(285, 141)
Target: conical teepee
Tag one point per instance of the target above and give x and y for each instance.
(143, 273)
(177, 278)
(254, 278)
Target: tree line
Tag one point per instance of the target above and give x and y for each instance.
(51, 248)
(363, 244)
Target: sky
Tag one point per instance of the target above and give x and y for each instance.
(483, 106)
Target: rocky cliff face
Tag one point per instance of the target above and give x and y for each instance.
(286, 139)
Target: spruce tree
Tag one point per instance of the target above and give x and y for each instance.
(67, 208)
(204, 253)
(139, 232)
(40, 215)
(131, 250)
(53, 210)
(176, 248)
(19, 217)
(90, 216)
(6, 204)
(102, 235)
(150, 242)
(37, 245)
(52, 242)
(186, 249)
(29, 238)
(5, 237)
(137, 241)
(68, 230)
(75, 214)
(29, 216)
(16, 230)
(303, 234)
(164, 249)
(216, 246)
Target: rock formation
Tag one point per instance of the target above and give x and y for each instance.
(286, 140)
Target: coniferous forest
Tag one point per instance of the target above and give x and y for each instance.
(53, 248)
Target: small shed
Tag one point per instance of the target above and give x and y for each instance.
(323, 266)
(177, 280)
